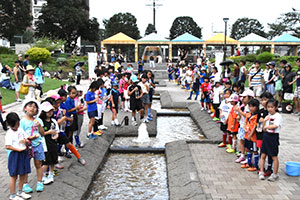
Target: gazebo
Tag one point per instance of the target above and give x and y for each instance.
(119, 39)
(254, 40)
(286, 40)
(154, 39)
(218, 40)
(186, 39)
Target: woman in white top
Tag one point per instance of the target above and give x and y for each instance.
(29, 81)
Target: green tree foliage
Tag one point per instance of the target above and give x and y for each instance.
(67, 20)
(183, 25)
(244, 26)
(265, 57)
(287, 22)
(122, 22)
(49, 44)
(14, 17)
(150, 29)
(37, 54)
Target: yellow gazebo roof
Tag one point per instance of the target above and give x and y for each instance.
(219, 38)
(118, 38)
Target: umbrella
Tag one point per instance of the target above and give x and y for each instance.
(80, 63)
(226, 62)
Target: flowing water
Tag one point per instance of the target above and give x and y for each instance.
(132, 176)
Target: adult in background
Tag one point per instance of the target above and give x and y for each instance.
(297, 89)
(79, 71)
(151, 60)
(29, 81)
(19, 72)
(39, 78)
(236, 72)
(288, 78)
(256, 79)
(243, 71)
(26, 61)
(270, 82)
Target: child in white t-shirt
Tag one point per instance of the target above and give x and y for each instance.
(18, 159)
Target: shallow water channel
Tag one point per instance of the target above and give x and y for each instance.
(142, 176)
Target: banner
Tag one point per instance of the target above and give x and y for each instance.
(92, 61)
(219, 59)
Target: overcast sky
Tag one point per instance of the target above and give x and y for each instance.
(207, 14)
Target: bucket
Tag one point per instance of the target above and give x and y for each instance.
(292, 168)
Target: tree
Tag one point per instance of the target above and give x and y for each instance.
(67, 20)
(244, 26)
(122, 22)
(287, 22)
(150, 29)
(49, 44)
(14, 17)
(183, 25)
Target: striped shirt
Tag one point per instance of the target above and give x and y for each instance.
(256, 80)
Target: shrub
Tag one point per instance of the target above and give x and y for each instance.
(265, 57)
(250, 57)
(37, 54)
(61, 61)
(5, 50)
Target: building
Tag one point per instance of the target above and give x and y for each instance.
(36, 7)
(4, 43)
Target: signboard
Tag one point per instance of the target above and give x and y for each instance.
(219, 59)
(92, 61)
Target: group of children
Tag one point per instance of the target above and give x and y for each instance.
(46, 127)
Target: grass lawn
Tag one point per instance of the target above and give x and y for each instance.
(9, 96)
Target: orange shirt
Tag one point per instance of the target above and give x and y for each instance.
(233, 116)
(250, 124)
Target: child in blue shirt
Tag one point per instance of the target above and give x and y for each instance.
(91, 100)
(140, 65)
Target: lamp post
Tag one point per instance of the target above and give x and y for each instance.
(225, 47)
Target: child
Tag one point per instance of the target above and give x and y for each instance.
(152, 86)
(250, 135)
(114, 104)
(51, 131)
(80, 113)
(262, 113)
(121, 90)
(104, 98)
(271, 127)
(232, 121)
(145, 98)
(217, 90)
(246, 96)
(126, 96)
(196, 84)
(170, 72)
(225, 109)
(205, 94)
(140, 64)
(91, 100)
(135, 92)
(18, 159)
(34, 131)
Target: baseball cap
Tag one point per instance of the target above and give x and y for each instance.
(134, 78)
(246, 93)
(273, 63)
(46, 106)
(233, 97)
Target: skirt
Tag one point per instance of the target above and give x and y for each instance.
(18, 163)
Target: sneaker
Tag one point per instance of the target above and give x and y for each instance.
(15, 198)
(44, 178)
(112, 123)
(202, 108)
(81, 161)
(50, 179)
(261, 176)
(216, 119)
(189, 98)
(134, 123)
(19, 100)
(39, 187)
(228, 146)
(92, 136)
(68, 155)
(59, 166)
(47, 180)
(238, 153)
(252, 169)
(149, 118)
(273, 177)
(102, 127)
(245, 166)
(230, 150)
(146, 120)
(55, 172)
(221, 145)
(208, 111)
(79, 145)
(268, 173)
(27, 188)
(240, 159)
(23, 195)
(98, 133)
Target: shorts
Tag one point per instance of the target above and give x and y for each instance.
(233, 133)
(122, 96)
(18, 163)
(146, 99)
(241, 134)
(39, 153)
(223, 128)
(17, 86)
(250, 145)
(151, 94)
(62, 138)
(92, 114)
(270, 144)
(271, 88)
(257, 90)
(51, 158)
(136, 105)
(116, 107)
(297, 92)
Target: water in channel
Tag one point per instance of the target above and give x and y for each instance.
(132, 176)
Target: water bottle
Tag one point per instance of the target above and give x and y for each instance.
(53, 128)
(62, 127)
(137, 93)
(259, 127)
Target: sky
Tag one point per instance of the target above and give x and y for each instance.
(207, 14)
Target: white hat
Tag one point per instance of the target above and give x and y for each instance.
(46, 106)
(29, 100)
(79, 88)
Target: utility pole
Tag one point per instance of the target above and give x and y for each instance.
(154, 5)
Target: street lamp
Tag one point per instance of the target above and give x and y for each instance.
(225, 47)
